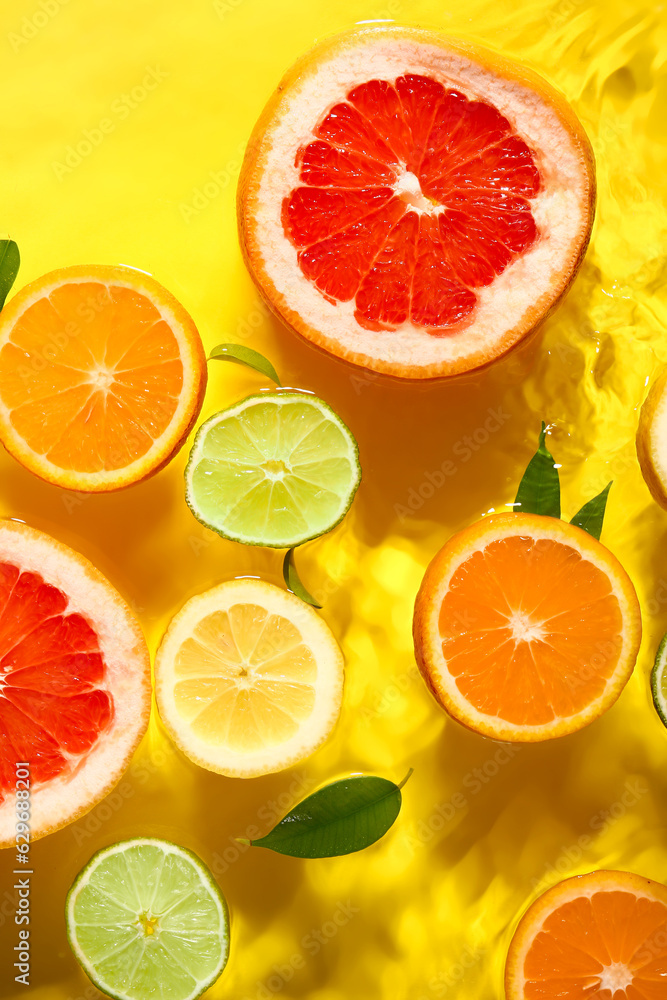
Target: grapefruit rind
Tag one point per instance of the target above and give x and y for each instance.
(652, 440)
(123, 647)
(207, 881)
(220, 525)
(563, 892)
(329, 686)
(191, 398)
(428, 642)
(518, 300)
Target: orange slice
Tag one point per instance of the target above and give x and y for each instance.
(414, 204)
(600, 935)
(75, 684)
(248, 679)
(102, 375)
(526, 627)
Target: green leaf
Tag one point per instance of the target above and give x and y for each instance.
(341, 818)
(591, 515)
(539, 490)
(291, 578)
(10, 261)
(241, 355)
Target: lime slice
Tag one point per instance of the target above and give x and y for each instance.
(146, 919)
(276, 469)
(659, 681)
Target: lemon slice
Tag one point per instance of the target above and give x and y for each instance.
(276, 469)
(145, 918)
(652, 440)
(249, 679)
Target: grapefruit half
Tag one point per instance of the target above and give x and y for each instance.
(414, 204)
(652, 440)
(74, 681)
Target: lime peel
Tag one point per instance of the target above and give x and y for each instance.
(145, 917)
(659, 681)
(276, 469)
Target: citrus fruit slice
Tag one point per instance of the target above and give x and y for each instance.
(598, 935)
(659, 681)
(413, 204)
(145, 918)
(276, 469)
(526, 627)
(652, 440)
(74, 682)
(102, 375)
(249, 679)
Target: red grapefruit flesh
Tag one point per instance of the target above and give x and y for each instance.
(418, 248)
(412, 204)
(74, 680)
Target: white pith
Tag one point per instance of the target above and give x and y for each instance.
(101, 379)
(123, 648)
(409, 190)
(558, 209)
(328, 684)
(207, 882)
(525, 629)
(615, 977)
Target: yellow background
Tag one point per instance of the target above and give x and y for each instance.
(428, 912)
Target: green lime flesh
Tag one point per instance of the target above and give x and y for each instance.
(659, 681)
(276, 469)
(146, 919)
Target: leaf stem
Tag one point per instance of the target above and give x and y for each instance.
(406, 778)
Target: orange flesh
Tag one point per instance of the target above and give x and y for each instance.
(611, 945)
(531, 631)
(92, 376)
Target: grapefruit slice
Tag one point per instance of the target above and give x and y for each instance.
(526, 627)
(248, 679)
(74, 681)
(598, 935)
(413, 204)
(102, 375)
